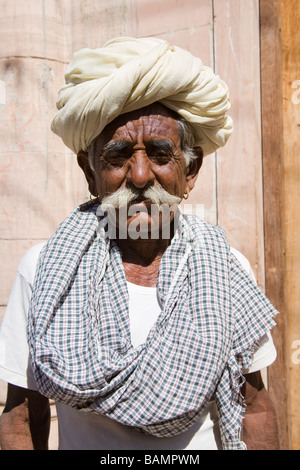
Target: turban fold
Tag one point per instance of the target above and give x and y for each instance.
(127, 74)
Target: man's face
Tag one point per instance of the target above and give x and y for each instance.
(139, 150)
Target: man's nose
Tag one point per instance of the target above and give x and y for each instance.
(140, 173)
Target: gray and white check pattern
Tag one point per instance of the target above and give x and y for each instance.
(212, 317)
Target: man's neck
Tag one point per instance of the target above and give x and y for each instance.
(141, 259)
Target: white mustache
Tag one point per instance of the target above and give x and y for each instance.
(125, 196)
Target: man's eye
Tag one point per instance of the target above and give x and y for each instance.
(116, 159)
(160, 158)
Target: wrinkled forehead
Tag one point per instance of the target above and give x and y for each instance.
(155, 119)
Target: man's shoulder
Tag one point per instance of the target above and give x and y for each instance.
(242, 259)
(200, 226)
(196, 222)
(27, 265)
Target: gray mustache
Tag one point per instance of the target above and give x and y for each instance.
(123, 197)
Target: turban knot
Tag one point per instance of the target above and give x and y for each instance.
(128, 74)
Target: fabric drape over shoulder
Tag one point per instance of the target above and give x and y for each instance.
(128, 74)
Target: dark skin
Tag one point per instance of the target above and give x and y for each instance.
(134, 159)
(260, 428)
(25, 422)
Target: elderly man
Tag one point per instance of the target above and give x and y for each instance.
(142, 327)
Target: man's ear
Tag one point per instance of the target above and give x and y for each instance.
(194, 168)
(83, 162)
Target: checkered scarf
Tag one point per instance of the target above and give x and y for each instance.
(212, 317)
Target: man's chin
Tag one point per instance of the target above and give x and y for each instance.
(142, 220)
(142, 225)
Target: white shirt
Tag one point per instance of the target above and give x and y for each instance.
(83, 430)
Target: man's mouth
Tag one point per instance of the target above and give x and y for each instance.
(140, 200)
(126, 197)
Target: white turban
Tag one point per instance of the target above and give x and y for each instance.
(127, 74)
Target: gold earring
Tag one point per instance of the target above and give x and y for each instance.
(185, 196)
(93, 199)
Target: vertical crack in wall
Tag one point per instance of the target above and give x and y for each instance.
(213, 47)
(45, 88)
